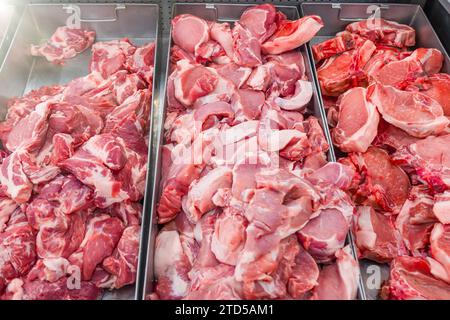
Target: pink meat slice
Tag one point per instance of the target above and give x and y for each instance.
(436, 87)
(64, 44)
(440, 245)
(123, 262)
(29, 132)
(441, 207)
(247, 103)
(416, 220)
(246, 47)
(108, 57)
(431, 59)
(398, 72)
(102, 235)
(430, 159)
(199, 197)
(338, 281)
(344, 41)
(229, 236)
(300, 98)
(292, 34)
(411, 278)
(376, 236)
(305, 275)
(385, 185)
(413, 112)
(324, 235)
(237, 74)
(390, 136)
(260, 20)
(384, 32)
(357, 121)
(192, 82)
(221, 32)
(340, 73)
(189, 32)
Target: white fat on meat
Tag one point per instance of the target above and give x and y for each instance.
(302, 96)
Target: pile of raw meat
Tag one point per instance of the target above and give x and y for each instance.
(72, 174)
(249, 207)
(389, 107)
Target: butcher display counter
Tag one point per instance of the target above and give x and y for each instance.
(217, 13)
(21, 73)
(336, 17)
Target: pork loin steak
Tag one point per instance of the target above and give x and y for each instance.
(430, 158)
(357, 122)
(411, 278)
(413, 112)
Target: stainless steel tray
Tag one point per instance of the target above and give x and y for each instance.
(8, 17)
(215, 12)
(21, 72)
(336, 17)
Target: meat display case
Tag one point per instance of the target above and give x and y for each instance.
(337, 16)
(21, 72)
(142, 22)
(221, 13)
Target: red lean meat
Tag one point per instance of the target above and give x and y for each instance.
(245, 186)
(64, 44)
(389, 110)
(72, 174)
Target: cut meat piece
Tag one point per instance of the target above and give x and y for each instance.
(338, 281)
(235, 73)
(431, 59)
(300, 98)
(192, 82)
(108, 57)
(397, 73)
(441, 207)
(384, 185)
(376, 237)
(64, 44)
(17, 248)
(437, 87)
(260, 21)
(141, 62)
(199, 198)
(247, 49)
(171, 269)
(411, 278)
(413, 112)
(247, 104)
(7, 207)
(390, 137)
(340, 73)
(29, 132)
(221, 32)
(416, 219)
(305, 274)
(324, 235)
(357, 121)
(344, 41)
(123, 263)
(430, 159)
(384, 32)
(440, 246)
(102, 235)
(229, 236)
(189, 32)
(14, 182)
(333, 173)
(292, 34)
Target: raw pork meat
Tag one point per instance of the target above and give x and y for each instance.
(412, 278)
(384, 32)
(355, 134)
(64, 44)
(245, 184)
(415, 113)
(73, 172)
